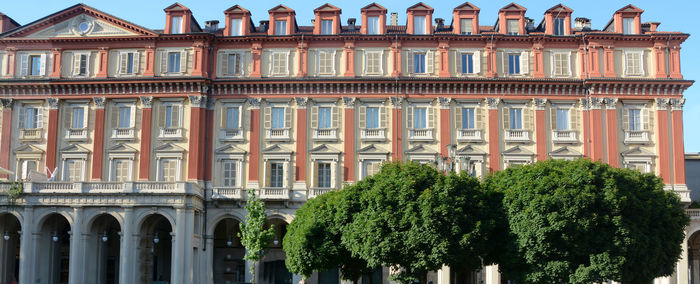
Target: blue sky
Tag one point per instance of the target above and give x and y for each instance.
(674, 15)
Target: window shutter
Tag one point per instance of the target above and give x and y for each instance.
(627, 61)
(268, 117)
(86, 116)
(527, 118)
(224, 63)
(183, 61)
(163, 62)
(430, 62)
(479, 119)
(363, 55)
(409, 117)
(224, 116)
(314, 117)
(410, 65)
(553, 64)
(161, 116)
(568, 60)
(177, 110)
(641, 62)
(39, 117)
(458, 63)
(22, 117)
(42, 67)
(431, 117)
(315, 62)
(506, 118)
(574, 116)
(504, 64)
(458, 118)
(477, 62)
(335, 117)
(268, 173)
(245, 67)
(380, 62)
(334, 166)
(333, 62)
(363, 117)
(524, 62)
(289, 62)
(625, 119)
(314, 182)
(68, 118)
(114, 117)
(24, 65)
(553, 118)
(123, 62)
(137, 63)
(286, 174)
(287, 117)
(383, 117)
(647, 119)
(76, 64)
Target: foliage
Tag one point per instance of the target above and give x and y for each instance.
(584, 222)
(252, 233)
(15, 192)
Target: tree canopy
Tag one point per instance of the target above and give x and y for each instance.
(584, 222)
(252, 233)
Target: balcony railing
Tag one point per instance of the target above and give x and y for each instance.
(464, 135)
(693, 213)
(420, 134)
(564, 136)
(372, 134)
(325, 134)
(30, 134)
(636, 137)
(101, 187)
(274, 193)
(174, 133)
(227, 193)
(517, 135)
(278, 134)
(313, 192)
(76, 134)
(123, 133)
(233, 134)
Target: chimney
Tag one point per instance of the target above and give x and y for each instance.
(313, 22)
(529, 24)
(264, 25)
(582, 24)
(211, 26)
(351, 24)
(394, 19)
(440, 23)
(651, 26)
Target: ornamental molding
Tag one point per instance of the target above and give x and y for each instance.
(662, 103)
(198, 101)
(53, 103)
(677, 104)
(349, 102)
(254, 103)
(611, 103)
(99, 102)
(301, 102)
(396, 102)
(444, 102)
(540, 103)
(6, 103)
(493, 102)
(147, 102)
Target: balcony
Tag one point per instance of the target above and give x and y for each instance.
(517, 135)
(123, 133)
(76, 134)
(232, 134)
(103, 187)
(468, 135)
(33, 134)
(420, 134)
(693, 213)
(373, 134)
(313, 192)
(325, 134)
(564, 136)
(278, 134)
(274, 193)
(170, 133)
(636, 137)
(227, 193)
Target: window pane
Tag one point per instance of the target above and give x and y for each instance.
(562, 119)
(83, 64)
(232, 115)
(176, 25)
(327, 27)
(236, 27)
(372, 117)
(174, 62)
(234, 64)
(373, 25)
(419, 63)
(78, 119)
(513, 64)
(627, 25)
(559, 26)
(130, 63)
(324, 117)
(635, 119)
(36, 65)
(468, 118)
(277, 117)
(280, 27)
(466, 27)
(276, 175)
(516, 118)
(324, 175)
(419, 118)
(512, 26)
(419, 25)
(31, 119)
(229, 172)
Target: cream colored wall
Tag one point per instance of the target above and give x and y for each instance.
(242, 145)
(292, 62)
(64, 114)
(113, 65)
(162, 51)
(67, 63)
(110, 109)
(247, 61)
(387, 59)
(647, 58)
(15, 134)
(338, 59)
(3, 63)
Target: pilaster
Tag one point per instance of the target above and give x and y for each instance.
(303, 50)
(300, 154)
(349, 141)
(127, 257)
(98, 141)
(103, 60)
(663, 137)
(52, 134)
(595, 122)
(11, 53)
(609, 60)
(6, 134)
(678, 146)
(444, 48)
(209, 145)
(611, 131)
(194, 159)
(675, 61)
(255, 134)
(150, 61)
(397, 128)
(145, 153)
(198, 59)
(537, 51)
(349, 49)
(494, 130)
(491, 66)
(396, 51)
(592, 61)
(445, 138)
(540, 128)
(256, 51)
(56, 63)
(660, 60)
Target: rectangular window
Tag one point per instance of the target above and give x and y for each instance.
(325, 62)
(35, 61)
(27, 167)
(324, 117)
(635, 119)
(468, 118)
(73, 170)
(512, 27)
(324, 175)
(279, 63)
(281, 27)
(31, 118)
(513, 64)
(558, 26)
(173, 62)
(467, 63)
(633, 63)
(374, 63)
(419, 63)
(78, 121)
(276, 175)
(419, 25)
(372, 117)
(120, 168)
(371, 167)
(172, 116)
(124, 117)
(236, 27)
(373, 25)
(278, 118)
(516, 118)
(465, 26)
(419, 117)
(562, 119)
(232, 117)
(83, 65)
(234, 64)
(228, 173)
(627, 26)
(176, 25)
(327, 27)
(130, 63)
(168, 170)
(561, 64)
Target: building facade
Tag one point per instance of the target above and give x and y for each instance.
(135, 146)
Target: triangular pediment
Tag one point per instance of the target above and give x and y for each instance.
(280, 8)
(169, 148)
(466, 6)
(559, 9)
(79, 21)
(518, 151)
(28, 149)
(327, 8)
(371, 149)
(230, 149)
(74, 149)
(176, 7)
(121, 148)
(375, 7)
(277, 149)
(420, 150)
(324, 149)
(637, 152)
(469, 150)
(420, 6)
(236, 9)
(630, 9)
(565, 152)
(513, 7)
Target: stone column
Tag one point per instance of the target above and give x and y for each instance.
(660, 59)
(540, 128)
(255, 134)
(596, 129)
(198, 62)
(494, 130)
(674, 62)
(76, 259)
(300, 155)
(127, 258)
(349, 140)
(145, 153)
(492, 274)
(396, 52)
(396, 128)
(179, 250)
(491, 66)
(443, 275)
(98, 141)
(592, 62)
(209, 262)
(611, 131)
(11, 53)
(6, 136)
(52, 134)
(26, 262)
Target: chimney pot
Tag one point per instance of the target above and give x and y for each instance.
(394, 19)
(211, 26)
(582, 24)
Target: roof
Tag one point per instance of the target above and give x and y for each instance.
(559, 8)
(466, 6)
(512, 7)
(281, 9)
(327, 8)
(420, 6)
(236, 9)
(374, 6)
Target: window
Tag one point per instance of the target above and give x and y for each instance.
(324, 175)
(516, 118)
(279, 63)
(232, 117)
(419, 117)
(324, 117)
(234, 64)
(419, 25)
(168, 170)
(121, 170)
(27, 167)
(465, 26)
(30, 118)
(276, 175)
(228, 173)
(278, 118)
(512, 27)
(633, 63)
(560, 63)
(280, 27)
(174, 62)
(129, 63)
(467, 60)
(628, 26)
(326, 27)
(73, 170)
(640, 166)
(371, 167)
(171, 115)
(372, 117)
(78, 118)
(562, 119)
(325, 63)
(82, 62)
(558, 26)
(468, 118)
(373, 25)
(35, 61)
(513, 64)
(176, 25)
(373, 63)
(635, 119)
(419, 63)
(124, 117)
(236, 27)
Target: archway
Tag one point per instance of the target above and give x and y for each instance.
(103, 244)
(272, 268)
(53, 253)
(9, 248)
(155, 250)
(229, 266)
(694, 257)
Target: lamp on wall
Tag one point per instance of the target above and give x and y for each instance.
(104, 237)
(229, 242)
(276, 241)
(155, 238)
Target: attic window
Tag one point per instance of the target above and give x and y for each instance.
(558, 26)
(236, 27)
(176, 25)
(512, 27)
(466, 26)
(627, 26)
(419, 25)
(327, 27)
(281, 27)
(373, 25)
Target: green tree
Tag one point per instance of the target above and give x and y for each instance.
(252, 233)
(584, 222)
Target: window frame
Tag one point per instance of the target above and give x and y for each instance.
(160, 176)
(277, 174)
(475, 62)
(566, 69)
(419, 25)
(508, 27)
(330, 58)
(34, 58)
(172, 104)
(516, 110)
(558, 24)
(171, 62)
(639, 54)
(113, 176)
(236, 167)
(627, 26)
(326, 27)
(373, 25)
(277, 69)
(379, 53)
(280, 27)
(327, 175)
(236, 31)
(462, 26)
(176, 25)
(66, 169)
(135, 62)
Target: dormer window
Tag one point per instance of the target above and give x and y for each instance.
(558, 26)
(176, 25)
(466, 26)
(372, 25)
(327, 27)
(281, 27)
(419, 25)
(628, 26)
(236, 27)
(512, 27)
